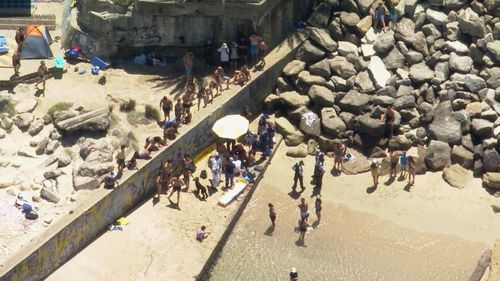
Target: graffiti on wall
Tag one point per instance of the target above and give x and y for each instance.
(146, 35)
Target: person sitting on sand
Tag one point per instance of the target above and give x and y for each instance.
(202, 234)
(170, 132)
(153, 143)
(201, 190)
(166, 106)
(110, 181)
(120, 159)
(131, 164)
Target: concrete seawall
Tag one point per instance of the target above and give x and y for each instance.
(68, 236)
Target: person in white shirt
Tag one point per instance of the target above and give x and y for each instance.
(237, 166)
(224, 55)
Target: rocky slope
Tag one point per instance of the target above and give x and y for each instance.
(440, 70)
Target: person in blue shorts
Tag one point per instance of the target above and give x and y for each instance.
(380, 12)
(394, 15)
(404, 164)
(254, 49)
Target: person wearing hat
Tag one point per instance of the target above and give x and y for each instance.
(294, 276)
(403, 159)
(110, 180)
(234, 55)
(229, 172)
(374, 168)
(224, 55)
(298, 175)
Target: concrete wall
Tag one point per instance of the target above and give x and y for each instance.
(65, 238)
(106, 29)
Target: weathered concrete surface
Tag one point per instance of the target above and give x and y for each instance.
(67, 237)
(100, 27)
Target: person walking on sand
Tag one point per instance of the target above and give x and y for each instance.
(388, 119)
(404, 164)
(187, 164)
(176, 182)
(394, 164)
(158, 183)
(411, 170)
(178, 111)
(298, 171)
(16, 61)
(272, 215)
(374, 168)
(42, 71)
(304, 209)
(167, 172)
(320, 172)
(229, 173)
(188, 60)
(318, 207)
(224, 56)
(166, 106)
(303, 229)
(380, 12)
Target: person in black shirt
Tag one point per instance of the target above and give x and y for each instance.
(229, 172)
(298, 175)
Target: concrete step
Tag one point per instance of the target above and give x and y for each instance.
(7, 23)
(15, 26)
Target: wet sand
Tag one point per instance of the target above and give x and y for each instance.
(430, 232)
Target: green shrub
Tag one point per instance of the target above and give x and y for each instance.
(8, 109)
(60, 106)
(151, 112)
(127, 106)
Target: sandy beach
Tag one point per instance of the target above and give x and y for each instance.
(430, 232)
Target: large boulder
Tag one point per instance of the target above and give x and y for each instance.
(321, 95)
(349, 19)
(456, 47)
(415, 40)
(461, 64)
(35, 127)
(321, 15)
(436, 17)
(96, 120)
(364, 24)
(378, 72)
(309, 53)
(284, 127)
(50, 193)
(491, 180)
(446, 129)
(6, 123)
(294, 99)
(331, 123)
(27, 105)
(354, 102)
(346, 48)
(494, 49)
(394, 59)
(310, 124)
(296, 152)
(359, 165)
(321, 68)
(363, 82)
(482, 128)
(370, 126)
(462, 156)
(342, 67)
(404, 102)
(80, 183)
(437, 155)
(470, 23)
(295, 139)
(323, 39)
(456, 176)
(23, 120)
(420, 73)
(306, 79)
(491, 161)
(384, 43)
(294, 67)
(474, 83)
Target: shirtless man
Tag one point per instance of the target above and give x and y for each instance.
(220, 77)
(262, 46)
(158, 183)
(42, 71)
(394, 164)
(167, 172)
(186, 105)
(178, 111)
(153, 143)
(16, 61)
(166, 105)
(120, 159)
(176, 182)
(388, 119)
(304, 209)
(254, 49)
(188, 60)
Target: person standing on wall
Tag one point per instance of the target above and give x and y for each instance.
(224, 56)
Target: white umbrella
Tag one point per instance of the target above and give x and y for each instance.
(231, 126)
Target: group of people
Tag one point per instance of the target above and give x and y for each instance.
(380, 13)
(408, 167)
(16, 60)
(303, 221)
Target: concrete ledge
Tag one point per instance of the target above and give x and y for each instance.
(69, 235)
